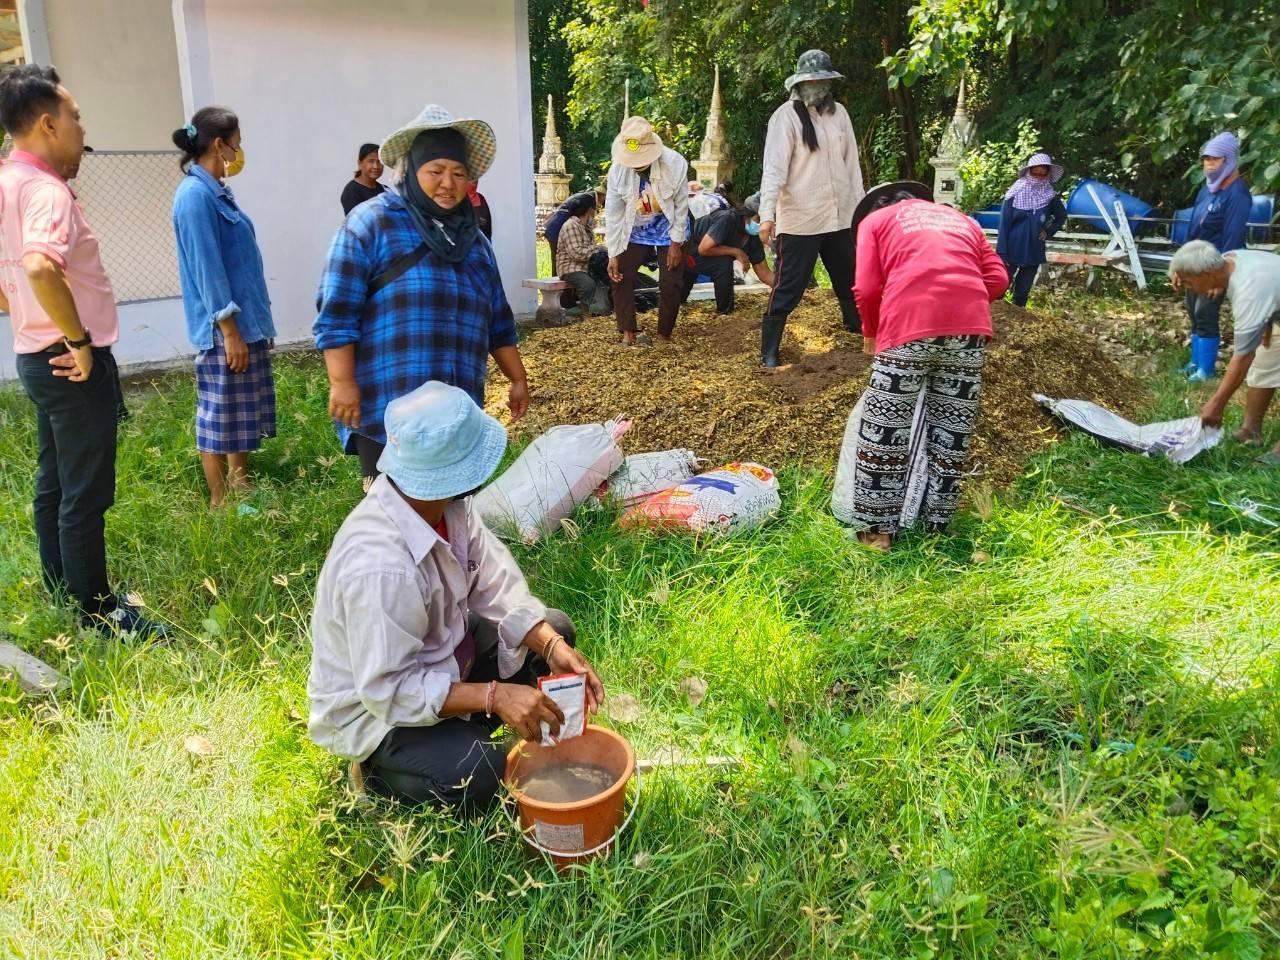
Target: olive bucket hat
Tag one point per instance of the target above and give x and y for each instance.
(482, 145)
(813, 65)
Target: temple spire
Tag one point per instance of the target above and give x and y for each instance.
(550, 132)
(626, 99)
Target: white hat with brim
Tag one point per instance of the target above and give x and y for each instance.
(1043, 160)
(636, 145)
(482, 145)
(439, 443)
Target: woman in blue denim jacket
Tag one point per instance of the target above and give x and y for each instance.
(224, 294)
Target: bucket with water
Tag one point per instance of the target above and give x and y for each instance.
(571, 797)
(1081, 205)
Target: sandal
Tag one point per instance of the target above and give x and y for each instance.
(1269, 459)
(1251, 438)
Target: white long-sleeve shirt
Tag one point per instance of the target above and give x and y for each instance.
(391, 609)
(669, 178)
(810, 192)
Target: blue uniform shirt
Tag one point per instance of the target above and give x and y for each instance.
(1221, 217)
(1018, 243)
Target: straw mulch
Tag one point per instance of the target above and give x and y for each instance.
(707, 391)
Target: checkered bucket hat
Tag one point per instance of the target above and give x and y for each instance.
(481, 143)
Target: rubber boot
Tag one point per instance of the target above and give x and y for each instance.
(771, 339)
(849, 316)
(1206, 360)
(1189, 367)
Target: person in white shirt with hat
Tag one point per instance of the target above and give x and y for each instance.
(646, 210)
(425, 636)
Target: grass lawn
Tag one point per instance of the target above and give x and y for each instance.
(1051, 733)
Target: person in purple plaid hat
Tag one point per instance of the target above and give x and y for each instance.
(224, 295)
(411, 290)
(1032, 213)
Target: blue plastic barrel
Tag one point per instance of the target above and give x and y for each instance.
(1260, 217)
(989, 219)
(1080, 205)
(1181, 225)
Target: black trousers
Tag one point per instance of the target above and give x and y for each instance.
(368, 451)
(1022, 278)
(75, 484)
(456, 762)
(720, 270)
(797, 254)
(1204, 313)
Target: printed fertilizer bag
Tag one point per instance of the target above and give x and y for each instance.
(738, 496)
(569, 692)
(644, 474)
(1179, 440)
(550, 478)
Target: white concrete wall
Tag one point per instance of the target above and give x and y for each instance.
(313, 79)
(118, 58)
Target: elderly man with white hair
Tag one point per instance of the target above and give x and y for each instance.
(1251, 281)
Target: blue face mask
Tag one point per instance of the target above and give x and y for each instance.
(753, 229)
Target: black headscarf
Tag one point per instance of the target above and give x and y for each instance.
(449, 233)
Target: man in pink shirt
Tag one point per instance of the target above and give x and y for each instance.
(925, 279)
(64, 322)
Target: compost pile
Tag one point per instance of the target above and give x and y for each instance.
(708, 393)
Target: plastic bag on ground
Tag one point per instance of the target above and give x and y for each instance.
(917, 469)
(1178, 440)
(554, 474)
(644, 474)
(736, 497)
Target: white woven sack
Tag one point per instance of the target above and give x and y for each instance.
(736, 497)
(644, 474)
(554, 474)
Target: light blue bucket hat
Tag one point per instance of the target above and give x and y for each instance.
(439, 443)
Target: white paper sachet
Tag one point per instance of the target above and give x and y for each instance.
(569, 691)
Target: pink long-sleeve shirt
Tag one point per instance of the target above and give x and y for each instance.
(924, 270)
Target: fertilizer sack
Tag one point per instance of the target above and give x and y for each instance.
(569, 692)
(644, 474)
(856, 433)
(1178, 440)
(738, 496)
(554, 474)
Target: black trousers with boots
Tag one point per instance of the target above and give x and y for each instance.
(797, 255)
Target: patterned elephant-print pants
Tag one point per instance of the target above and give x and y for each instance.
(948, 370)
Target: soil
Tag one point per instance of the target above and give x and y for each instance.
(707, 391)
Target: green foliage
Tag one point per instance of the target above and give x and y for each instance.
(988, 170)
(885, 153)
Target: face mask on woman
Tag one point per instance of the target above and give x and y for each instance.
(753, 228)
(814, 92)
(235, 164)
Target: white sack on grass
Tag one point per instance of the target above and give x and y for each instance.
(738, 496)
(1179, 440)
(917, 470)
(554, 474)
(644, 474)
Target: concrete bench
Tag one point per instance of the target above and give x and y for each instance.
(549, 310)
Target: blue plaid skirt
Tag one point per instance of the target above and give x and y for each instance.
(234, 411)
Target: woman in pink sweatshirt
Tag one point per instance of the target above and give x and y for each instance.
(925, 279)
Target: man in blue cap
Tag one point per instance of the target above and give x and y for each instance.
(425, 636)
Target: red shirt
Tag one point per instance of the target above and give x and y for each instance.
(924, 270)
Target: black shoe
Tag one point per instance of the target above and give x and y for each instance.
(128, 623)
(771, 339)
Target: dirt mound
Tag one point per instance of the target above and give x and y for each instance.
(707, 391)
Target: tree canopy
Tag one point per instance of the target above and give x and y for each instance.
(1125, 91)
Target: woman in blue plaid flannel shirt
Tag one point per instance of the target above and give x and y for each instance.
(411, 291)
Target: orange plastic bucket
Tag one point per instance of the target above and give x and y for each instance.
(572, 833)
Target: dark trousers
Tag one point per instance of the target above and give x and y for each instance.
(1022, 279)
(456, 763)
(670, 285)
(1203, 312)
(720, 270)
(368, 451)
(75, 474)
(797, 254)
(593, 295)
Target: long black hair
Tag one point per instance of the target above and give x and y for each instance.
(210, 124)
(807, 132)
(365, 150)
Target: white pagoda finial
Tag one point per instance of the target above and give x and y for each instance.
(626, 99)
(550, 132)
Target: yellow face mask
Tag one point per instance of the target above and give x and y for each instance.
(236, 164)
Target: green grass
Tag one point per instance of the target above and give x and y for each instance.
(922, 737)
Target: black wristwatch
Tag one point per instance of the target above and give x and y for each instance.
(78, 344)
